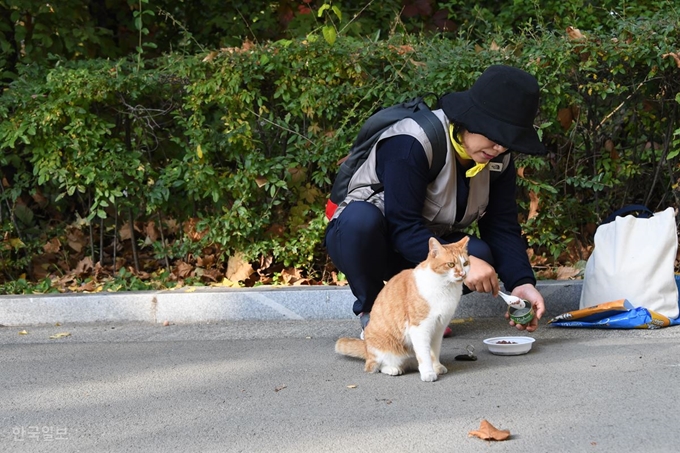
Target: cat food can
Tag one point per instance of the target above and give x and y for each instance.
(522, 315)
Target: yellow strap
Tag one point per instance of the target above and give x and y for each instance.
(460, 150)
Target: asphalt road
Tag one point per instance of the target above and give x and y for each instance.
(277, 386)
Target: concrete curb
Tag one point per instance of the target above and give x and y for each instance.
(200, 305)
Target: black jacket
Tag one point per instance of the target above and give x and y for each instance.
(402, 167)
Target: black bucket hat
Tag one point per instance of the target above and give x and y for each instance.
(501, 105)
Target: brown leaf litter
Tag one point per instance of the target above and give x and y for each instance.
(487, 431)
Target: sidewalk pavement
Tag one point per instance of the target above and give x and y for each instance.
(277, 386)
(266, 378)
(206, 304)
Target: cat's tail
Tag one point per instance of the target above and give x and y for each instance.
(352, 347)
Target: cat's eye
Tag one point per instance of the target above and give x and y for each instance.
(451, 264)
(466, 263)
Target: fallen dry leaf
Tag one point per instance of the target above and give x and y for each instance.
(183, 270)
(76, 239)
(41, 266)
(280, 387)
(352, 386)
(260, 181)
(673, 55)
(84, 267)
(298, 174)
(189, 228)
(60, 335)
(610, 147)
(213, 275)
(53, 246)
(39, 198)
(23, 332)
(291, 275)
(533, 205)
(226, 282)
(461, 320)
(575, 34)
(172, 226)
(238, 268)
(211, 56)
(266, 261)
(487, 431)
(90, 286)
(205, 261)
(152, 233)
(247, 45)
(567, 272)
(565, 117)
(401, 50)
(125, 232)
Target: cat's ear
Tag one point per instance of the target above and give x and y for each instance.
(435, 246)
(463, 242)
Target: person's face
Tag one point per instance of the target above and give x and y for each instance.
(480, 148)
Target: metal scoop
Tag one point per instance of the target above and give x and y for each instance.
(513, 301)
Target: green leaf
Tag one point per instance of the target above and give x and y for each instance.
(323, 8)
(337, 12)
(329, 34)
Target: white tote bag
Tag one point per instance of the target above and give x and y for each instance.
(634, 259)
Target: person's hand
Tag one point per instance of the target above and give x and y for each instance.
(481, 277)
(530, 293)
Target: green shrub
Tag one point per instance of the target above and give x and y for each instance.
(235, 151)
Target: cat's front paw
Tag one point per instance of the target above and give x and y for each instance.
(428, 376)
(440, 369)
(391, 370)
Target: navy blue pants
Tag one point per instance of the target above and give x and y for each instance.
(358, 244)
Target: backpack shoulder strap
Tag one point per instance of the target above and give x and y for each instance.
(437, 135)
(373, 128)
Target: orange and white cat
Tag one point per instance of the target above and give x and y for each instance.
(410, 314)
